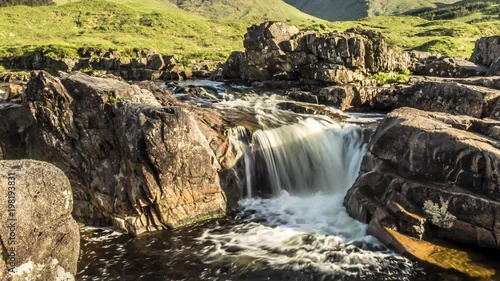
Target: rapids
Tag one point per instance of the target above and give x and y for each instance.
(291, 224)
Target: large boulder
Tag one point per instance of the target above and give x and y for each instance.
(431, 175)
(487, 50)
(40, 239)
(278, 51)
(131, 161)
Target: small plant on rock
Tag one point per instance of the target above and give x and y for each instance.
(439, 215)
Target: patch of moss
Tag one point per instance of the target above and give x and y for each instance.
(383, 78)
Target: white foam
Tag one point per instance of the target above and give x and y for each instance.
(312, 232)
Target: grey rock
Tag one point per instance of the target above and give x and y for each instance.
(47, 239)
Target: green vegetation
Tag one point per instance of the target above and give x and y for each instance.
(243, 10)
(123, 25)
(383, 78)
(94, 26)
(448, 37)
(341, 10)
(115, 100)
(6, 3)
(466, 11)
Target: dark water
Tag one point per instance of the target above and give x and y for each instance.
(237, 249)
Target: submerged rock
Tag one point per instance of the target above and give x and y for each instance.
(40, 238)
(131, 161)
(431, 175)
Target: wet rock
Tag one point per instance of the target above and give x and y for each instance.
(131, 162)
(307, 108)
(486, 50)
(431, 175)
(44, 235)
(302, 96)
(431, 95)
(235, 66)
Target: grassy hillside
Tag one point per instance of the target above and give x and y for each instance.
(333, 10)
(466, 11)
(449, 37)
(341, 10)
(122, 25)
(5, 3)
(396, 7)
(126, 24)
(242, 9)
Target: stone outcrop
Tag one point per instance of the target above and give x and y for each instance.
(40, 240)
(431, 95)
(278, 51)
(135, 157)
(486, 50)
(449, 67)
(147, 64)
(431, 175)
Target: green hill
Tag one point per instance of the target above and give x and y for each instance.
(242, 9)
(466, 11)
(341, 10)
(6, 3)
(123, 25)
(195, 33)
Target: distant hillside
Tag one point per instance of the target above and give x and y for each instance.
(341, 10)
(126, 24)
(467, 11)
(6, 3)
(243, 9)
(68, 29)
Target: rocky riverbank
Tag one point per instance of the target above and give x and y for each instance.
(141, 160)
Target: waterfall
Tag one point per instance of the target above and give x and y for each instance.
(311, 155)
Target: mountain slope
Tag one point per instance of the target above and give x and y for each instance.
(243, 9)
(340, 10)
(467, 11)
(124, 25)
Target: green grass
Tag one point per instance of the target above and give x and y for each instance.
(383, 78)
(448, 37)
(392, 7)
(466, 11)
(123, 25)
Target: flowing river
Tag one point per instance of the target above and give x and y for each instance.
(291, 224)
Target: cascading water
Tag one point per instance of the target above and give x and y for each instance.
(305, 157)
(291, 225)
(305, 164)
